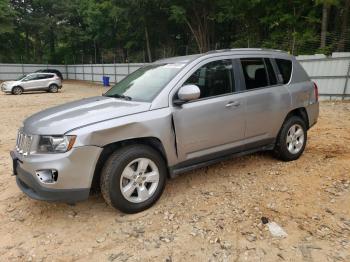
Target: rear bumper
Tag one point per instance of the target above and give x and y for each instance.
(33, 189)
(312, 112)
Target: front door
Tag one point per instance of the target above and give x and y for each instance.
(215, 122)
(31, 82)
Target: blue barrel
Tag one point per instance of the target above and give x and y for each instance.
(105, 80)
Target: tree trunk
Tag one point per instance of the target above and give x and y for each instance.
(324, 25)
(52, 44)
(148, 45)
(26, 45)
(344, 27)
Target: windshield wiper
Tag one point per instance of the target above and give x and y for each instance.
(128, 98)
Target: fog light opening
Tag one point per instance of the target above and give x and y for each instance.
(47, 176)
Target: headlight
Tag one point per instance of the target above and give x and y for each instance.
(55, 144)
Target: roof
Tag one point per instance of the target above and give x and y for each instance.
(189, 58)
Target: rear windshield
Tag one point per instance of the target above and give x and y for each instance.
(285, 68)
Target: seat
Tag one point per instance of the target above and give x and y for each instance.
(260, 78)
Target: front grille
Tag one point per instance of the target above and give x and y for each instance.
(23, 143)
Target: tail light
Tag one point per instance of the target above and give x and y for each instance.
(316, 91)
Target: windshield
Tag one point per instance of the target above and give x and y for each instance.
(145, 83)
(21, 77)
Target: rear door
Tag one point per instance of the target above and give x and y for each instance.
(215, 122)
(267, 100)
(43, 80)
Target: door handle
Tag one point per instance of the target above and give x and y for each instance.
(233, 104)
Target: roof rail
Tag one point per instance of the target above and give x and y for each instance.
(243, 49)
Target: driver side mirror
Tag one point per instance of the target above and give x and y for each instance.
(187, 93)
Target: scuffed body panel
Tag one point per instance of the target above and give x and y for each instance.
(154, 123)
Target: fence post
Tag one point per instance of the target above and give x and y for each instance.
(66, 66)
(103, 68)
(82, 64)
(75, 69)
(22, 65)
(92, 71)
(115, 71)
(346, 81)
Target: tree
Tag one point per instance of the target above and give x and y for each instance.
(344, 33)
(6, 17)
(198, 15)
(326, 4)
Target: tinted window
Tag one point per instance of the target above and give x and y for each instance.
(285, 68)
(42, 76)
(272, 76)
(254, 73)
(214, 78)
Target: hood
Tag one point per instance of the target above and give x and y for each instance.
(63, 118)
(9, 83)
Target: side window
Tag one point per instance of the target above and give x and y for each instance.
(285, 68)
(272, 75)
(30, 78)
(214, 78)
(43, 76)
(254, 73)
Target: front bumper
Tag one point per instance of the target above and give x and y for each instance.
(33, 189)
(5, 89)
(75, 172)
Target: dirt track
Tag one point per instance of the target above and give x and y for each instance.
(209, 214)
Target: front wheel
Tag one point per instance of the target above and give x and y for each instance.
(17, 90)
(133, 178)
(291, 140)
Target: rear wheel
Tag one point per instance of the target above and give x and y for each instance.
(53, 88)
(133, 178)
(292, 139)
(17, 90)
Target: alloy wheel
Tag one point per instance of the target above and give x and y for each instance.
(139, 180)
(295, 139)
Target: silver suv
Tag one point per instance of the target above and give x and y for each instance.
(33, 82)
(164, 119)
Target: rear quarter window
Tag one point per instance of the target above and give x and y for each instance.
(285, 68)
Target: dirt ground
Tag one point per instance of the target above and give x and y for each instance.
(212, 214)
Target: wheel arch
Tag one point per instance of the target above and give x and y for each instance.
(53, 83)
(300, 112)
(17, 86)
(108, 149)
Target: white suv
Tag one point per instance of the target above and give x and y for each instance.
(33, 82)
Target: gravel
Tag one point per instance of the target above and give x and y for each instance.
(211, 214)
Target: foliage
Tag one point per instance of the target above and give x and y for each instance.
(75, 31)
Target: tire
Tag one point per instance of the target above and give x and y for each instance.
(290, 147)
(53, 88)
(17, 90)
(117, 188)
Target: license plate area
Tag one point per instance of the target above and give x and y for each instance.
(14, 163)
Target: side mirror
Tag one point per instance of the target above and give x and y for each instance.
(187, 93)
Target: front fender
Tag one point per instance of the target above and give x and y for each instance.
(154, 123)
